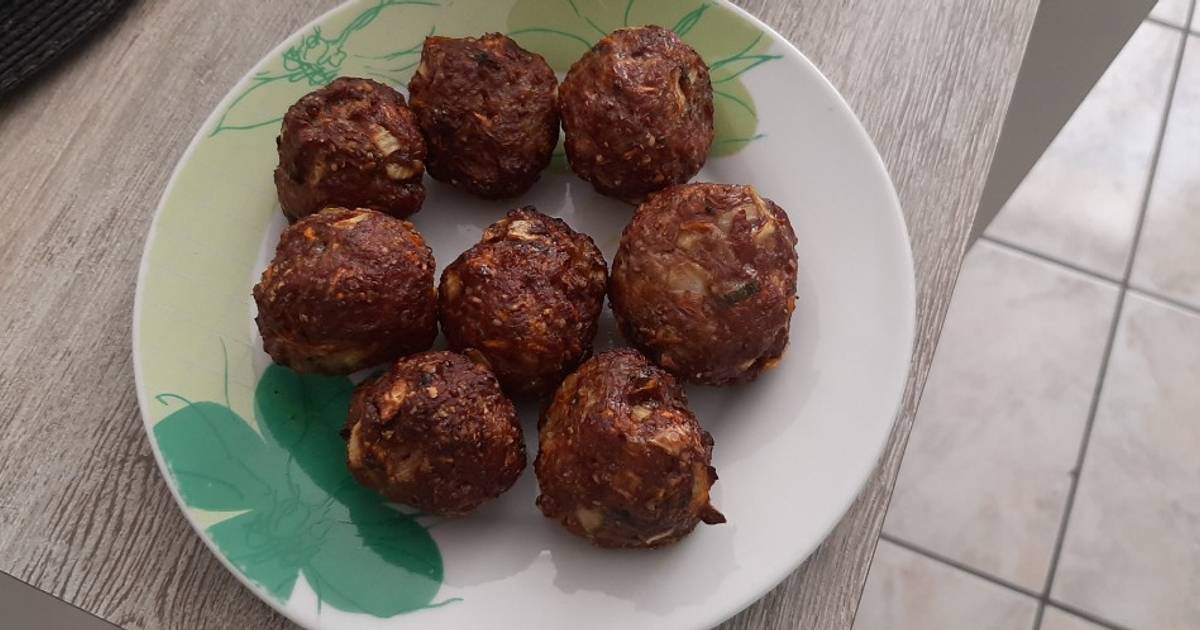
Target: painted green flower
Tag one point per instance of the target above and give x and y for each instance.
(563, 30)
(294, 506)
(316, 59)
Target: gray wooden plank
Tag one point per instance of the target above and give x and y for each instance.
(88, 148)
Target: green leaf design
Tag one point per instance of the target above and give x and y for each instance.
(305, 513)
(563, 30)
(221, 468)
(380, 541)
(248, 543)
(303, 414)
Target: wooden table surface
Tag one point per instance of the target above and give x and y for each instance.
(86, 150)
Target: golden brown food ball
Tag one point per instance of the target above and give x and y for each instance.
(638, 113)
(347, 289)
(486, 107)
(622, 460)
(434, 432)
(525, 300)
(351, 143)
(704, 282)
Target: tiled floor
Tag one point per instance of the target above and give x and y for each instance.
(1053, 478)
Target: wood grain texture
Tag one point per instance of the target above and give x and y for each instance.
(88, 149)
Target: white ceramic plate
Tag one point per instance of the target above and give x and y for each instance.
(251, 451)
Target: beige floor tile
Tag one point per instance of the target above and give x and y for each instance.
(1132, 549)
(987, 470)
(1171, 11)
(1168, 258)
(906, 591)
(1082, 199)
(1058, 619)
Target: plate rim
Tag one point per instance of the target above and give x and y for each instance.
(797, 554)
(900, 224)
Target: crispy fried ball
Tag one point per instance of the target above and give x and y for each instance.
(434, 432)
(622, 460)
(347, 289)
(487, 109)
(638, 113)
(704, 282)
(525, 300)
(351, 143)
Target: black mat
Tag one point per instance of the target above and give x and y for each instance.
(35, 33)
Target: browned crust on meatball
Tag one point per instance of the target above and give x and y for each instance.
(622, 461)
(638, 113)
(488, 112)
(436, 433)
(351, 143)
(704, 282)
(525, 300)
(347, 289)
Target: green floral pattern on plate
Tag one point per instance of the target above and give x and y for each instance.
(560, 30)
(316, 59)
(293, 506)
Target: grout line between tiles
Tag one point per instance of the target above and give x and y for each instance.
(1095, 275)
(1077, 471)
(1165, 300)
(1086, 616)
(1191, 309)
(991, 579)
(955, 564)
(1171, 25)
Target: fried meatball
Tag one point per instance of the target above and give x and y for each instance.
(638, 113)
(622, 460)
(347, 289)
(487, 109)
(525, 300)
(434, 432)
(704, 282)
(351, 143)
